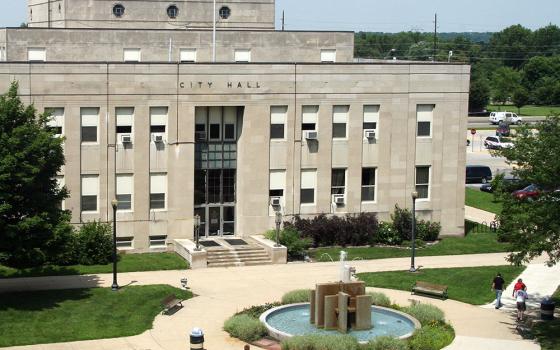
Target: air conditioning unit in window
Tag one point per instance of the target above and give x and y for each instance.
(310, 135)
(370, 134)
(157, 138)
(126, 138)
(338, 199)
(275, 201)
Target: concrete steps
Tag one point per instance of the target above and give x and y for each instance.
(238, 256)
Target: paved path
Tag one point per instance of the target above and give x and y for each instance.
(480, 216)
(224, 291)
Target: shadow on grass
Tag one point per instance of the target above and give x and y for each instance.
(41, 300)
(60, 284)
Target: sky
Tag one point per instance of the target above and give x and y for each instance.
(385, 16)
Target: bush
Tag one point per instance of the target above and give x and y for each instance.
(425, 313)
(386, 343)
(388, 235)
(292, 240)
(379, 299)
(63, 248)
(402, 223)
(296, 296)
(257, 310)
(95, 243)
(321, 342)
(428, 230)
(245, 327)
(432, 337)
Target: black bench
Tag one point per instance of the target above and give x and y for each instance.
(170, 302)
(430, 289)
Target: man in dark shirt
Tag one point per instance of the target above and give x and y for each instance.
(498, 287)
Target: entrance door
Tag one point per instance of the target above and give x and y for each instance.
(221, 221)
(214, 221)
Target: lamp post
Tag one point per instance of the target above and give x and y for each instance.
(414, 196)
(114, 204)
(278, 221)
(197, 231)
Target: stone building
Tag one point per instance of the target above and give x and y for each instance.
(175, 119)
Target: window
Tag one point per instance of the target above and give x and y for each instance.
(118, 10)
(424, 118)
(243, 55)
(132, 55)
(172, 11)
(158, 189)
(188, 55)
(125, 186)
(158, 121)
(125, 118)
(371, 118)
(368, 184)
(328, 55)
(224, 12)
(338, 181)
(158, 241)
(308, 180)
(200, 125)
(215, 123)
(278, 116)
(230, 119)
(309, 118)
(340, 118)
(423, 182)
(89, 119)
(124, 242)
(277, 183)
(36, 54)
(90, 190)
(56, 120)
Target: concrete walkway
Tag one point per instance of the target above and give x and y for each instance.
(480, 216)
(224, 291)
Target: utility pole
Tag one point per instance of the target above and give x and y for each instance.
(435, 38)
(283, 20)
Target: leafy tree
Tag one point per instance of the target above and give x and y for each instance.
(512, 45)
(479, 93)
(520, 98)
(533, 227)
(505, 81)
(30, 157)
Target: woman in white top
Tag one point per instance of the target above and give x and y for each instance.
(520, 297)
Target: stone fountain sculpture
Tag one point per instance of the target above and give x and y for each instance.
(341, 305)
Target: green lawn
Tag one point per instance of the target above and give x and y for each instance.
(538, 111)
(80, 314)
(470, 284)
(548, 333)
(127, 263)
(482, 200)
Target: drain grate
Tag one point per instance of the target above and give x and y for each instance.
(209, 244)
(236, 242)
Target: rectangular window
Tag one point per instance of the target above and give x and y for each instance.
(158, 121)
(368, 184)
(424, 119)
(200, 124)
(230, 120)
(124, 242)
(243, 55)
(278, 115)
(423, 182)
(308, 181)
(132, 55)
(309, 118)
(158, 241)
(90, 192)
(215, 122)
(36, 54)
(125, 186)
(328, 55)
(371, 119)
(125, 118)
(56, 120)
(188, 55)
(340, 119)
(277, 183)
(89, 120)
(158, 190)
(338, 181)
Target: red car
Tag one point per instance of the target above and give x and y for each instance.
(529, 193)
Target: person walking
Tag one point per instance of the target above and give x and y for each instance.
(519, 285)
(498, 287)
(520, 297)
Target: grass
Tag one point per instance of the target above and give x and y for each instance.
(482, 200)
(127, 263)
(80, 314)
(548, 332)
(470, 284)
(538, 111)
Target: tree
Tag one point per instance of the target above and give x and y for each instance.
(30, 157)
(533, 227)
(479, 93)
(512, 45)
(520, 98)
(504, 82)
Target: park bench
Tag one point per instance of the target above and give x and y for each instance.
(430, 289)
(170, 302)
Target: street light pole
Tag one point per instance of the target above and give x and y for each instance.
(412, 265)
(197, 230)
(114, 204)
(278, 221)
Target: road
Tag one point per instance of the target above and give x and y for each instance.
(482, 122)
(477, 154)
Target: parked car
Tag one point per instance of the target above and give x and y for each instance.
(503, 130)
(496, 117)
(510, 184)
(497, 142)
(478, 174)
(528, 193)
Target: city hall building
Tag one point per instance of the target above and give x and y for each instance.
(175, 119)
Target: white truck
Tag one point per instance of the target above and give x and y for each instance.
(506, 117)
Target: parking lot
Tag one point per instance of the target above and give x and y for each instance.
(478, 155)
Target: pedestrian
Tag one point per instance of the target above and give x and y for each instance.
(520, 297)
(519, 285)
(498, 287)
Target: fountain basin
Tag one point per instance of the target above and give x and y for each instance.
(291, 320)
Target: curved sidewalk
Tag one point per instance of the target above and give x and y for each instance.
(224, 291)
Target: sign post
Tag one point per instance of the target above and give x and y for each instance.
(473, 132)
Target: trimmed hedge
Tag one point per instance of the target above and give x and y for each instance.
(434, 336)
(245, 327)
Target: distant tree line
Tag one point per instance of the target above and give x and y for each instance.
(516, 65)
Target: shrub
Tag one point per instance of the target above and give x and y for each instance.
(425, 313)
(402, 222)
(386, 343)
(432, 337)
(321, 342)
(292, 240)
(296, 296)
(63, 248)
(257, 310)
(95, 243)
(388, 235)
(245, 327)
(379, 299)
(428, 230)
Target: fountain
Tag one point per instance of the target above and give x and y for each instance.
(339, 307)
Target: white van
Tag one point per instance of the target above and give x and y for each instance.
(497, 117)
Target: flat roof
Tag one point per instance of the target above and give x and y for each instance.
(185, 30)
